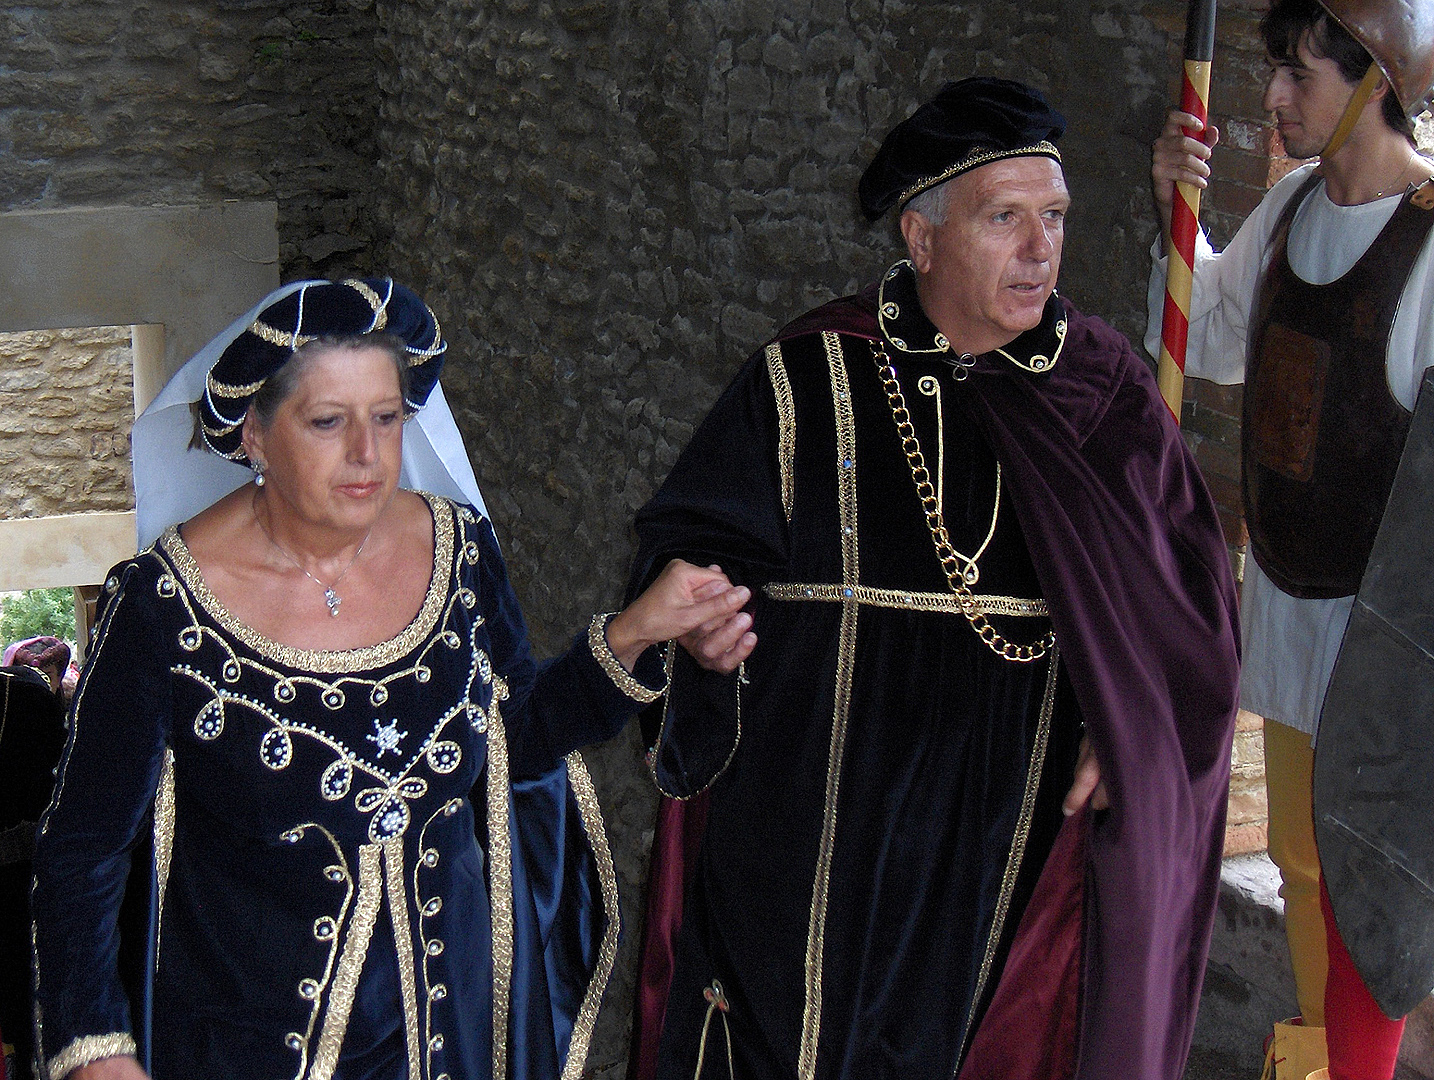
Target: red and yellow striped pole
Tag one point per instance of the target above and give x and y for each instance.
(1185, 213)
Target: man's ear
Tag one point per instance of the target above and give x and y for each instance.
(917, 231)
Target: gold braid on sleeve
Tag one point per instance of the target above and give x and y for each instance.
(87, 1049)
(608, 661)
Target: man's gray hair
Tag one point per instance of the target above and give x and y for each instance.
(932, 203)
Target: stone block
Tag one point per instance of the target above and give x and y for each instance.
(86, 27)
(749, 89)
(782, 55)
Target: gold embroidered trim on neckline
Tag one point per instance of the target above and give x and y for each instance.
(904, 599)
(591, 814)
(889, 311)
(1038, 364)
(326, 661)
(88, 1048)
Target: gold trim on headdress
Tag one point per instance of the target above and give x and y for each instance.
(1044, 148)
(436, 348)
(282, 338)
(229, 390)
(218, 429)
(378, 303)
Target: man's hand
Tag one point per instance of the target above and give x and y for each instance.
(1087, 783)
(1176, 157)
(696, 605)
(122, 1067)
(722, 643)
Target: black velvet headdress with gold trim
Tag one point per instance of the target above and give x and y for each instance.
(967, 124)
(315, 310)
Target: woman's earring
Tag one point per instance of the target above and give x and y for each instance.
(258, 474)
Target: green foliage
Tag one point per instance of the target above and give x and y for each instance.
(38, 612)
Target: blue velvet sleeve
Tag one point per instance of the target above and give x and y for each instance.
(561, 705)
(103, 796)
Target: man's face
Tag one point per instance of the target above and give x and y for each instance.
(985, 274)
(1307, 99)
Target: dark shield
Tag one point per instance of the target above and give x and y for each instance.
(1374, 757)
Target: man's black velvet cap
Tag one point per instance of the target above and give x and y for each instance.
(967, 124)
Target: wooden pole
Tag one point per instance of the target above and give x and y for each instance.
(1185, 213)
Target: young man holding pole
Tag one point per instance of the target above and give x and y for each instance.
(1321, 306)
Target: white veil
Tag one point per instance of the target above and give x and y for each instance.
(173, 482)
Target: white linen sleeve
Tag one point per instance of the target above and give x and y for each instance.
(1224, 291)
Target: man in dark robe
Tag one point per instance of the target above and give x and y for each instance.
(984, 564)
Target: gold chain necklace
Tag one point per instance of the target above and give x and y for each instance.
(951, 560)
(1402, 173)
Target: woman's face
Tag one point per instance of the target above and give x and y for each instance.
(332, 453)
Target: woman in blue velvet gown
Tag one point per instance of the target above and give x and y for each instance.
(311, 729)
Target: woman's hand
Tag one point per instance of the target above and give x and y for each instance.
(122, 1067)
(1087, 783)
(701, 607)
(1176, 157)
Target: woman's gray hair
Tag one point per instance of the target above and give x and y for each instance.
(932, 203)
(279, 386)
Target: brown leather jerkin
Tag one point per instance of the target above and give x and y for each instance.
(1322, 433)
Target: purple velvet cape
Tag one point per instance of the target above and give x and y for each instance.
(1132, 561)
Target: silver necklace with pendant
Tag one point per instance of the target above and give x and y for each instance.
(331, 596)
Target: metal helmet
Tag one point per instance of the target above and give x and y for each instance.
(1399, 35)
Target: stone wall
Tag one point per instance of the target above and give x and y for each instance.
(611, 204)
(64, 432)
(155, 102)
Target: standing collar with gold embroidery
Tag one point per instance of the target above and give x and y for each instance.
(906, 328)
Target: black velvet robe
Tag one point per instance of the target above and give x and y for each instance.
(919, 791)
(873, 840)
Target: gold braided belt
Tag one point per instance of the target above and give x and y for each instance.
(946, 603)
